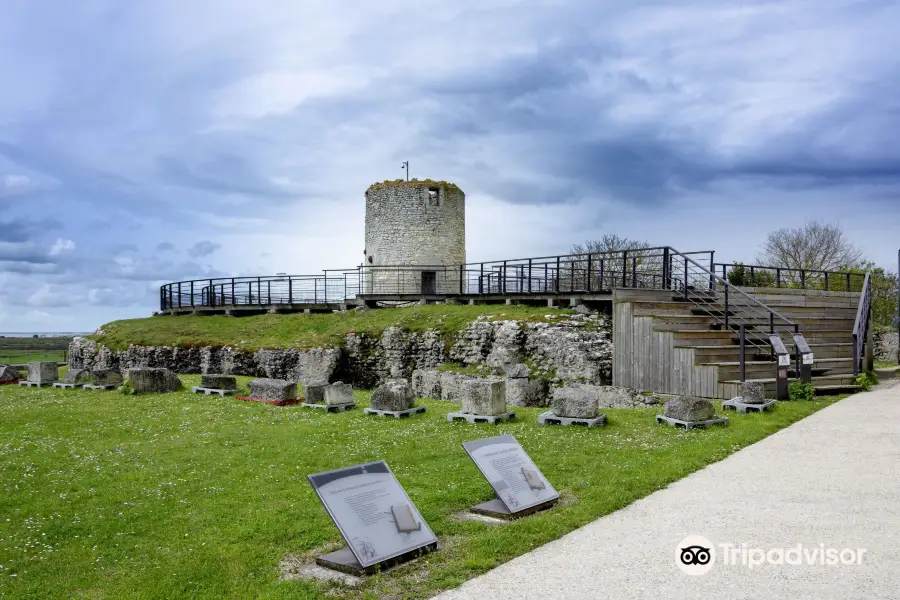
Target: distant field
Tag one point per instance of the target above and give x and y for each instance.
(16, 350)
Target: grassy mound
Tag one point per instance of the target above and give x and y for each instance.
(301, 330)
(180, 495)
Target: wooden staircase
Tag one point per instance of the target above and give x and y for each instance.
(663, 343)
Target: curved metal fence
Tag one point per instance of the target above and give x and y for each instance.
(596, 272)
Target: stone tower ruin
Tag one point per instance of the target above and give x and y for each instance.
(415, 238)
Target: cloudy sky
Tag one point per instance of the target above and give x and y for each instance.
(157, 140)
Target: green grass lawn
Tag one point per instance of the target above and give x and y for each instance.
(181, 495)
(300, 330)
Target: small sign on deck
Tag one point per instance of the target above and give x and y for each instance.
(374, 515)
(520, 486)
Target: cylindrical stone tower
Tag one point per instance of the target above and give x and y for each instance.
(415, 238)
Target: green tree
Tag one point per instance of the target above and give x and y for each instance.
(744, 276)
(884, 291)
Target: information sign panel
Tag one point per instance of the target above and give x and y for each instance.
(372, 512)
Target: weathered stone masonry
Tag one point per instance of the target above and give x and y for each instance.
(414, 223)
(576, 348)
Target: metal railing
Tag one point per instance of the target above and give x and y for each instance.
(729, 306)
(595, 272)
(780, 277)
(862, 324)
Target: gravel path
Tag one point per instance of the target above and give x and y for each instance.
(832, 478)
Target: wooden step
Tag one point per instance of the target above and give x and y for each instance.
(762, 369)
(732, 388)
(683, 337)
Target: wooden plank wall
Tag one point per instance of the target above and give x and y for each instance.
(647, 360)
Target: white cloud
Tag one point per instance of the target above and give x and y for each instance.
(61, 246)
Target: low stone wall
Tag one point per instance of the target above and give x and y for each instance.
(576, 347)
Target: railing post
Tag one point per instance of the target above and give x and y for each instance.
(684, 258)
(212, 295)
(589, 273)
(481, 278)
(778, 278)
(601, 275)
(666, 283)
(848, 282)
(179, 294)
(315, 290)
(269, 291)
(557, 274)
(726, 305)
(743, 355)
(624, 268)
(771, 322)
(192, 293)
(634, 278)
(855, 354)
(325, 288)
(803, 279)
(712, 269)
(529, 275)
(460, 281)
(571, 276)
(503, 279)
(826, 281)
(291, 289)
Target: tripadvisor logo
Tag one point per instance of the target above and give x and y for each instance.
(696, 555)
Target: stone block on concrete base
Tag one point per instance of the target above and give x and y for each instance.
(338, 393)
(527, 392)
(753, 392)
(575, 400)
(393, 395)
(273, 390)
(314, 393)
(486, 397)
(689, 409)
(104, 377)
(218, 382)
(151, 380)
(8, 374)
(77, 376)
(43, 372)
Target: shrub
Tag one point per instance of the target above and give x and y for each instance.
(866, 380)
(801, 391)
(742, 276)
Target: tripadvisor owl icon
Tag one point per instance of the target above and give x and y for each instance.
(695, 555)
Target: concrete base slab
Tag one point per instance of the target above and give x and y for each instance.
(344, 561)
(497, 509)
(89, 386)
(67, 386)
(33, 384)
(492, 419)
(397, 414)
(691, 424)
(207, 391)
(548, 418)
(331, 407)
(743, 407)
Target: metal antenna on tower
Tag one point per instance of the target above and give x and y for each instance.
(405, 167)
